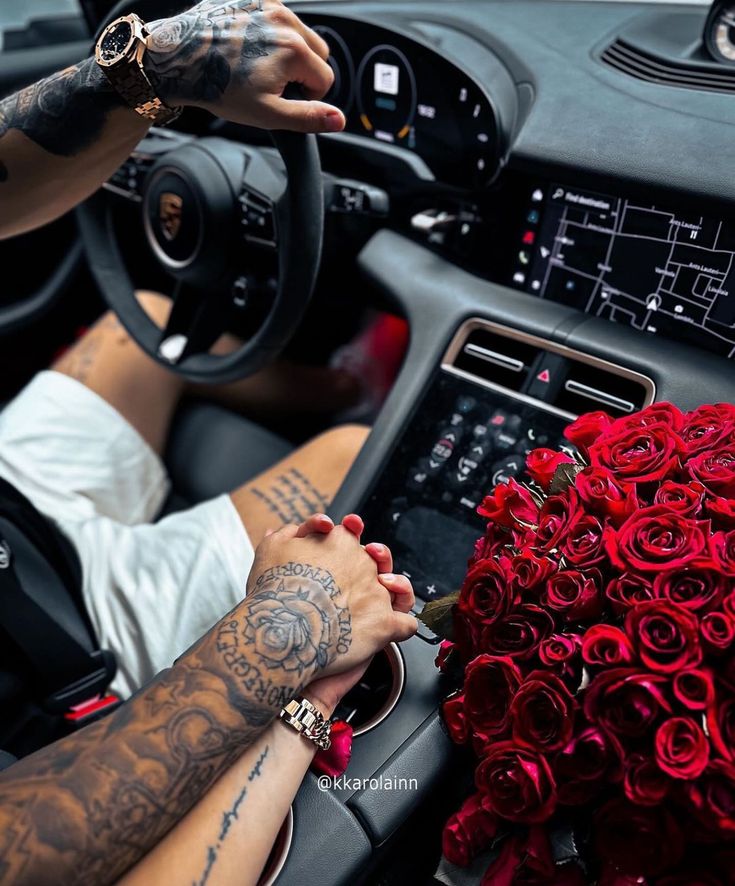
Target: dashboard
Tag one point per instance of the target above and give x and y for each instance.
(397, 91)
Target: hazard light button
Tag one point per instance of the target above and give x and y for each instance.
(547, 377)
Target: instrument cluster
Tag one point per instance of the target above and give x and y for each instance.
(396, 90)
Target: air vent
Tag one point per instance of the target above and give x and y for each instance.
(497, 358)
(569, 381)
(642, 65)
(586, 388)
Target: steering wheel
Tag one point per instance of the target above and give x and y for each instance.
(237, 228)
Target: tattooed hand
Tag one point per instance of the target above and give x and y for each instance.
(319, 619)
(236, 58)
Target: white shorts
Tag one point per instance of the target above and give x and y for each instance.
(151, 589)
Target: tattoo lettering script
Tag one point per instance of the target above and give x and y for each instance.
(291, 497)
(193, 57)
(230, 816)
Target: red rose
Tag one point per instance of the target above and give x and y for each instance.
(655, 414)
(685, 498)
(722, 511)
(529, 571)
(603, 496)
(588, 764)
(574, 595)
(553, 520)
(718, 632)
(656, 538)
(723, 551)
(509, 504)
(665, 635)
(627, 590)
(694, 688)
(707, 427)
(715, 469)
(644, 783)
(466, 635)
(561, 653)
(639, 840)
(469, 831)
(542, 712)
(454, 715)
(518, 783)
(489, 685)
(626, 702)
(682, 749)
(485, 594)
(606, 646)
(697, 587)
(638, 454)
(443, 653)
(721, 726)
(712, 799)
(586, 429)
(583, 545)
(519, 633)
(490, 545)
(541, 465)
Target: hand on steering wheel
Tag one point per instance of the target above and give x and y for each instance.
(236, 59)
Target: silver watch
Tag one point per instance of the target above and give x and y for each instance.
(301, 715)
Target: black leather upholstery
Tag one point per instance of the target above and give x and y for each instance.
(212, 450)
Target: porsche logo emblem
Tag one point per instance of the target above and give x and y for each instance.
(169, 214)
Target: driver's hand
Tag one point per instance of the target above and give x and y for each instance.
(322, 603)
(235, 59)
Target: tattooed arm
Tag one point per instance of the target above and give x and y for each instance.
(216, 842)
(88, 807)
(62, 137)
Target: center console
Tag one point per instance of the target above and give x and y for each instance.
(498, 394)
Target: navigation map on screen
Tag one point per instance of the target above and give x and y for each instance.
(662, 271)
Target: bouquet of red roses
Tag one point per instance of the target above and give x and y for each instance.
(594, 636)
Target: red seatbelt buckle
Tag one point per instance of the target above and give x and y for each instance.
(92, 709)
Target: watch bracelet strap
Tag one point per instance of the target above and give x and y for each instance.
(135, 90)
(301, 715)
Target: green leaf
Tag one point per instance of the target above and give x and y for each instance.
(564, 477)
(437, 616)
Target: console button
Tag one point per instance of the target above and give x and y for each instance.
(418, 477)
(547, 379)
(465, 404)
(504, 441)
(530, 440)
(480, 432)
(505, 469)
(431, 590)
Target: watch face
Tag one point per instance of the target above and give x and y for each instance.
(115, 41)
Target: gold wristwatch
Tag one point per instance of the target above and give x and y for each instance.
(301, 715)
(119, 52)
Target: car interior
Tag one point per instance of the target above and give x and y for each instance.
(541, 190)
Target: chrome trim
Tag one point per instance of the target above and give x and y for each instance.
(460, 339)
(524, 398)
(576, 387)
(121, 192)
(395, 660)
(489, 356)
(287, 826)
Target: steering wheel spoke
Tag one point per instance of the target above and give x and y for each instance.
(196, 321)
(128, 180)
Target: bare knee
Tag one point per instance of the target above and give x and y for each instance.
(157, 306)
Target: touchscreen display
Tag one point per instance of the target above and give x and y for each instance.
(660, 270)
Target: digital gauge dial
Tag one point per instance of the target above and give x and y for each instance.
(719, 32)
(340, 61)
(386, 95)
